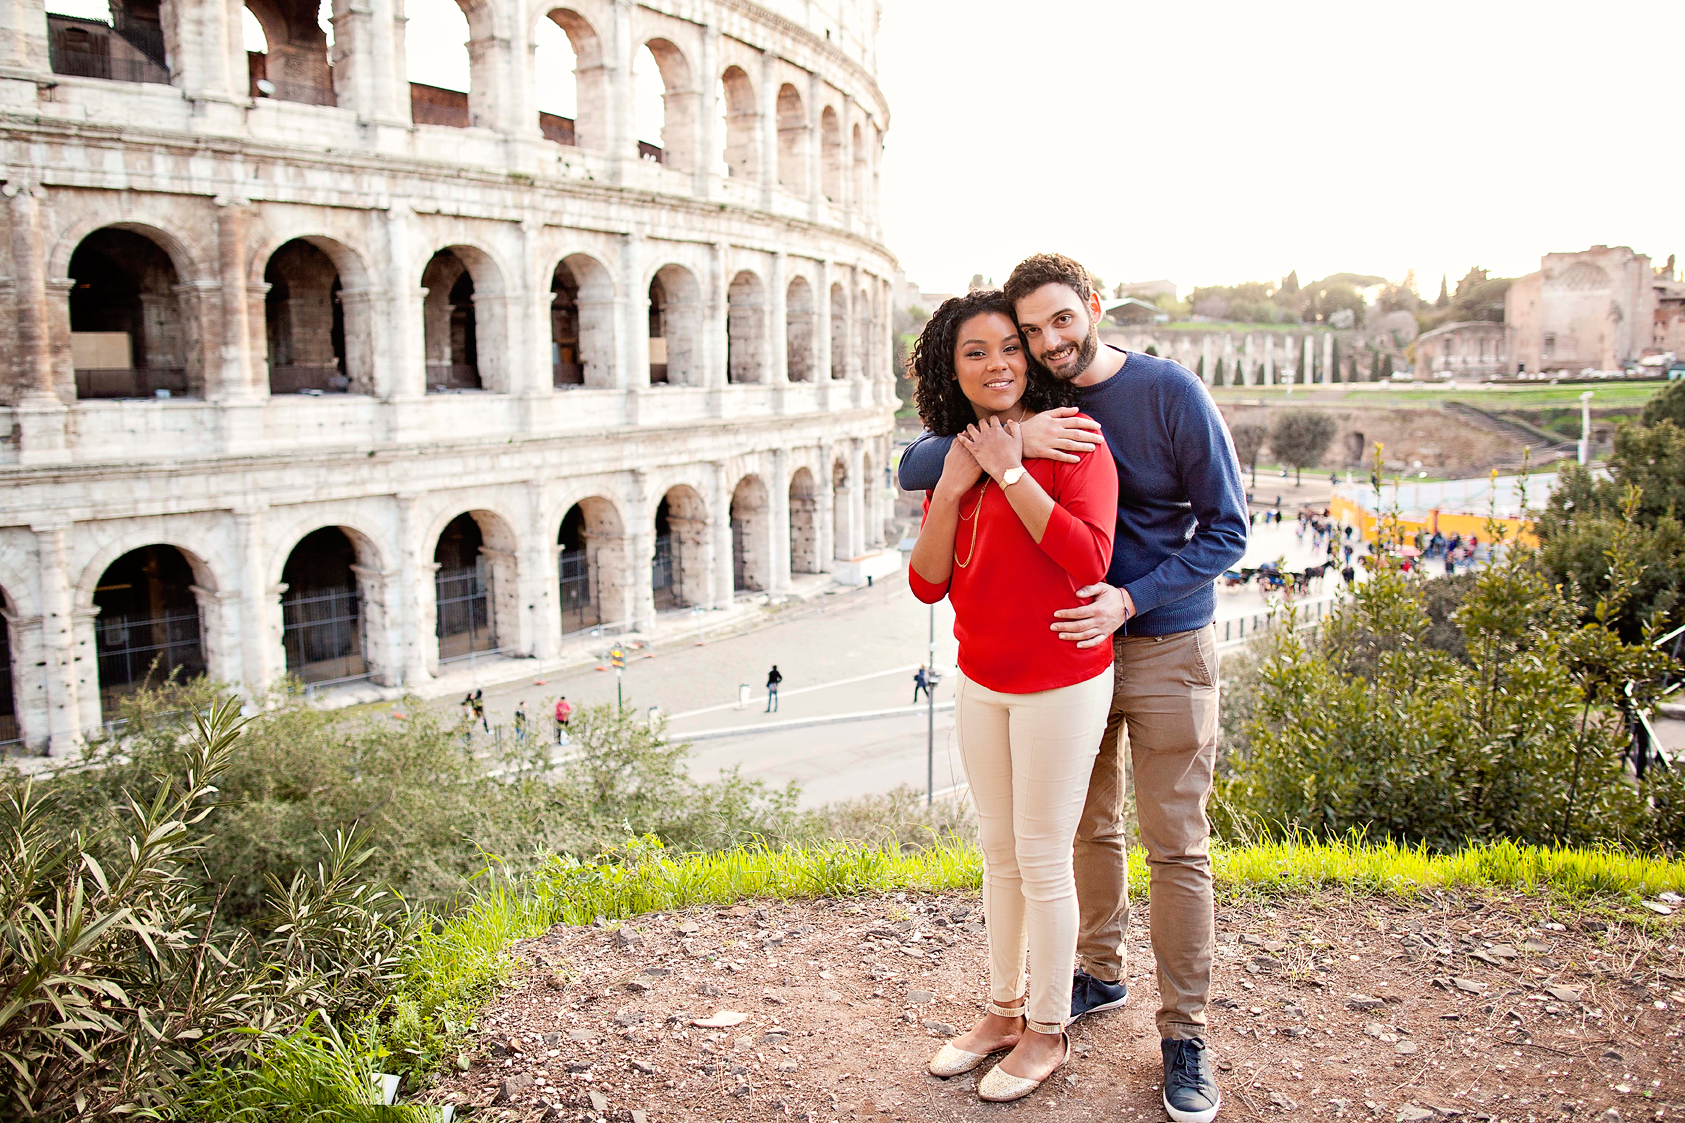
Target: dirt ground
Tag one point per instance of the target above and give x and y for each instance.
(1492, 1007)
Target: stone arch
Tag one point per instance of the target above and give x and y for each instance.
(679, 572)
(587, 127)
(675, 327)
(751, 536)
(677, 150)
(295, 65)
(459, 321)
(804, 523)
(742, 124)
(476, 586)
(343, 355)
(581, 322)
(798, 330)
(591, 565)
(332, 602)
(434, 21)
(839, 331)
(150, 624)
(746, 313)
(831, 155)
(792, 140)
(133, 322)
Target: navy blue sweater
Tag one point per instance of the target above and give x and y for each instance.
(1181, 506)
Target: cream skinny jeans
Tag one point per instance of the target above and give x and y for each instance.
(1028, 758)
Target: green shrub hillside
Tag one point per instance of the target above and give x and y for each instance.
(1499, 718)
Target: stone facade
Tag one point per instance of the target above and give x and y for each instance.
(1469, 349)
(1594, 309)
(308, 383)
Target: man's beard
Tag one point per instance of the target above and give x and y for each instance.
(1072, 368)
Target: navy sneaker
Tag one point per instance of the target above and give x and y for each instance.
(1190, 1091)
(1091, 996)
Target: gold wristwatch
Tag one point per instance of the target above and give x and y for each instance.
(1011, 476)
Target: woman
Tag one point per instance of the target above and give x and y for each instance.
(1008, 543)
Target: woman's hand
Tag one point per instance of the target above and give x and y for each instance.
(996, 446)
(960, 471)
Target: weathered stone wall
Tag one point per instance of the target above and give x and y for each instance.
(777, 264)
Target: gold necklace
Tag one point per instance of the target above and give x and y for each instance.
(975, 523)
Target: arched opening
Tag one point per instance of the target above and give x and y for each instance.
(751, 540)
(148, 625)
(675, 326)
(436, 35)
(831, 155)
(581, 322)
(590, 559)
(122, 41)
(736, 96)
(745, 328)
(792, 141)
(678, 574)
(556, 68)
(663, 106)
(475, 589)
(10, 734)
(839, 332)
(452, 336)
(798, 330)
(842, 512)
(322, 619)
(287, 50)
(804, 523)
(304, 322)
(128, 321)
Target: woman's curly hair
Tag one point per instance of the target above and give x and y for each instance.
(943, 406)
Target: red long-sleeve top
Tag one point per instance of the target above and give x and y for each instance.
(1005, 596)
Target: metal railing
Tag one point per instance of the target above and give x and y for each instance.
(322, 634)
(131, 382)
(464, 625)
(579, 608)
(1237, 630)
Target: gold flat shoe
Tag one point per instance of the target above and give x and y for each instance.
(1002, 1087)
(950, 1061)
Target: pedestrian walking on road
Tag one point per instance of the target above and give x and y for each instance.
(564, 713)
(520, 722)
(773, 678)
(479, 704)
(921, 682)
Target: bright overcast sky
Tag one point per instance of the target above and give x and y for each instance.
(1223, 141)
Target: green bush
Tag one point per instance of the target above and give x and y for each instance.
(1500, 721)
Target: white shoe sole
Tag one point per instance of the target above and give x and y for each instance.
(1205, 1116)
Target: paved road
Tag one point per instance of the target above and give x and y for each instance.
(852, 654)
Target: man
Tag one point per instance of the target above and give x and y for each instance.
(1181, 522)
(564, 714)
(920, 683)
(773, 678)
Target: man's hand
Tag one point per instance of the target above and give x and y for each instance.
(1059, 434)
(1093, 623)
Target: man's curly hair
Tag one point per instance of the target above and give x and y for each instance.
(1049, 269)
(943, 406)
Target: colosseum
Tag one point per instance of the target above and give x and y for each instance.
(318, 370)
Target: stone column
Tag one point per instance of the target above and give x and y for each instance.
(719, 517)
(41, 434)
(824, 522)
(401, 338)
(23, 42)
(815, 145)
(1310, 360)
(776, 346)
(769, 128)
(632, 365)
(262, 657)
(1287, 360)
(233, 380)
(822, 327)
(617, 59)
(856, 500)
(705, 179)
(1229, 378)
(538, 575)
(778, 504)
(711, 349)
(1207, 371)
(1268, 378)
(414, 654)
(1247, 369)
(856, 361)
(1327, 357)
(65, 720)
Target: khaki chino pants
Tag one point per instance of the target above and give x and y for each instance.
(1164, 709)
